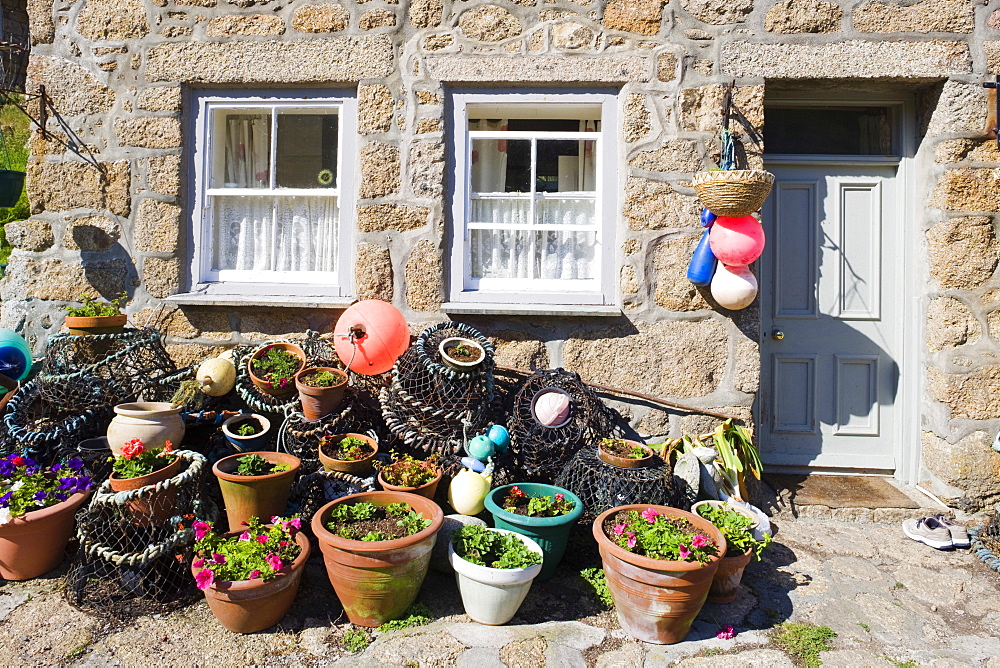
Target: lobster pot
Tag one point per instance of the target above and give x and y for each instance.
(129, 564)
(431, 407)
(301, 437)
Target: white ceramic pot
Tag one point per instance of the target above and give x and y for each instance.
(493, 595)
(152, 422)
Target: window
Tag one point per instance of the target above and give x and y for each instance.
(272, 188)
(533, 201)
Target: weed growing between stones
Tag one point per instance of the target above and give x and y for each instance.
(417, 614)
(804, 641)
(355, 640)
(865, 627)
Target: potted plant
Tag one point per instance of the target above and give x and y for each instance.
(461, 354)
(153, 422)
(624, 453)
(95, 317)
(255, 484)
(407, 474)
(250, 578)
(544, 513)
(137, 467)
(737, 527)
(321, 391)
(37, 508)
(377, 578)
(347, 453)
(494, 569)
(273, 367)
(247, 431)
(653, 555)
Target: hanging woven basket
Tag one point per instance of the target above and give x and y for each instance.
(737, 192)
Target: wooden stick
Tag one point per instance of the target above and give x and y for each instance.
(639, 395)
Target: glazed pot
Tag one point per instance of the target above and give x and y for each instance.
(265, 386)
(457, 364)
(261, 496)
(152, 422)
(252, 441)
(426, 490)
(318, 402)
(627, 462)
(493, 595)
(551, 533)
(657, 600)
(152, 508)
(376, 581)
(101, 324)
(359, 467)
(246, 606)
(34, 543)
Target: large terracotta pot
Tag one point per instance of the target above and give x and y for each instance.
(726, 583)
(318, 402)
(358, 467)
(101, 324)
(154, 508)
(152, 422)
(246, 606)
(657, 600)
(376, 581)
(262, 384)
(426, 490)
(34, 543)
(261, 496)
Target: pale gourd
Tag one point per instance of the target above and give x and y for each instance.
(467, 492)
(217, 376)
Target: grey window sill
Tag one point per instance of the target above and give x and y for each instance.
(287, 301)
(561, 310)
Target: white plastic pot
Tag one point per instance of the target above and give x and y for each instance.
(493, 595)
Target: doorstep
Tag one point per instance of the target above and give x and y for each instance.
(851, 498)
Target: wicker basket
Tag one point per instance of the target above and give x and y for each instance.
(737, 192)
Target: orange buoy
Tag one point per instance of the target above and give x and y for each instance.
(370, 336)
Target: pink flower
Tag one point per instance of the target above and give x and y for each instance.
(560, 497)
(283, 543)
(683, 552)
(275, 519)
(274, 561)
(204, 578)
(650, 515)
(262, 538)
(218, 558)
(254, 575)
(133, 448)
(168, 446)
(700, 540)
(631, 540)
(245, 535)
(198, 563)
(200, 529)
(620, 529)
(726, 633)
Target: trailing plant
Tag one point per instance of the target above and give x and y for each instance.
(657, 536)
(407, 471)
(369, 522)
(493, 549)
(275, 366)
(596, 579)
(349, 449)
(91, 308)
(519, 503)
(259, 553)
(738, 530)
(255, 465)
(135, 460)
(318, 378)
(26, 486)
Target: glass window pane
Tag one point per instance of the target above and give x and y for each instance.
(526, 254)
(241, 149)
(829, 130)
(242, 234)
(504, 212)
(564, 212)
(501, 165)
(565, 165)
(307, 149)
(306, 238)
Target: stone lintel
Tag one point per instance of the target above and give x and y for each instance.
(540, 69)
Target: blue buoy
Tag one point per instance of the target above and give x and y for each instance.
(701, 268)
(707, 218)
(500, 437)
(473, 464)
(15, 355)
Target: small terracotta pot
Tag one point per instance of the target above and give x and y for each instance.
(726, 583)
(265, 386)
(155, 508)
(246, 606)
(261, 496)
(34, 543)
(627, 462)
(376, 581)
(426, 490)
(358, 467)
(318, 402)
(101, 324)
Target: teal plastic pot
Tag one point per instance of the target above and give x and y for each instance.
(551, 533)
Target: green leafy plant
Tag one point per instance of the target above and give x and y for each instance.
(355, 639)
(259, 553)
(804, 641)
(737, 529)
(135, 460)
(658, 536)
(417, 614)
(596, 579)
(349, 449)
(519, 503)
(246, 429)
(321, 378)
(622, 448)
(91, 308)
(275, 366)
(369, 522)
(493, 549)
(406, 471)
(255, 465)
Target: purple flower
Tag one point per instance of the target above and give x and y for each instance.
(6, 468)
(218, 558)
(60, 496)
(40, 496)
(204, 578)
(67, 483)
(75, 463)
(5, 500)
(726, 633)
(56, 468)
(83, 483)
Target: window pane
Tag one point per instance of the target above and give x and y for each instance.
(307, 149)
(241, 150)
(829, 131)
(242, 235)
(527, 254)
(565, 212)
(501, 165)
(565, 165)
(504, 212)
(306, 234)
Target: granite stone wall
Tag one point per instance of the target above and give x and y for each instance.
(119, 71)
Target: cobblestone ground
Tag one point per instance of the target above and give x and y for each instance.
(891, 601)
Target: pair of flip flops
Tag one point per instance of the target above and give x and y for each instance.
(938, 531)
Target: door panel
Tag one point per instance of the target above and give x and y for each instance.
(830, 382)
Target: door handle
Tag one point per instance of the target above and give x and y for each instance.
(777, 335)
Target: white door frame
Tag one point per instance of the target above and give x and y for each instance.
(906, 309)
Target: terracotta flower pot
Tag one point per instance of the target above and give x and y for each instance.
(426, 490)
(263, 385)
(376, 581)
(101, 324)
(318, 402)
(657, 600)
(262, 496)
(156, 507)
(152, 422)
(34, 543)
(246, 606)
(627, 462)
(726, 583)
(358, 467)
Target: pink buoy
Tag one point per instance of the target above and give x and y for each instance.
(551, 407)
(736, 241)
(370, 336)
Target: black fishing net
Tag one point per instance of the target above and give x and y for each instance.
(431, 407)
(314, 490)
(301, 437)
(134, 553)
(602, 486)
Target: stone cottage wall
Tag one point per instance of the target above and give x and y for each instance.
(118, 72)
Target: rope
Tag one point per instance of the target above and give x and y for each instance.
(104, 496)
(981, 551)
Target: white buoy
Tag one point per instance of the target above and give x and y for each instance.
(734, 287)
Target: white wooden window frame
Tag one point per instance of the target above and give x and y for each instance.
(597, 291)
(207, 280)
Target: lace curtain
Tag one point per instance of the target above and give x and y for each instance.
(248, 151)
